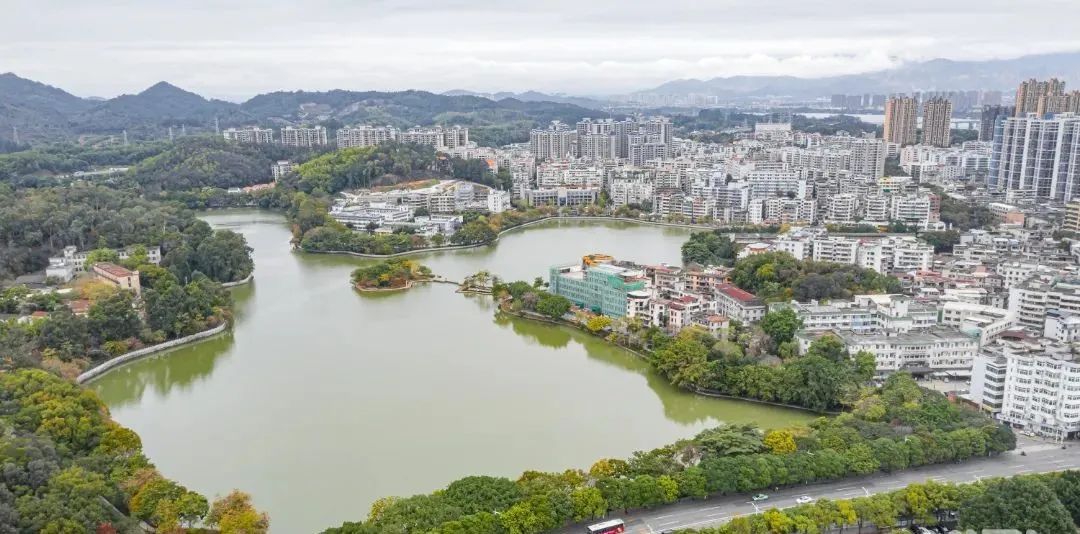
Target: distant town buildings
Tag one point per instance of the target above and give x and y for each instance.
(1045, 98)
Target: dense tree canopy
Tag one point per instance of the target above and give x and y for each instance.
(36, 223)
(352, 168)
(64, 465)
(779, 276)
(1021, 503)
(709, 248)
(194, 163)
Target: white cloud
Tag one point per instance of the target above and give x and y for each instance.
(241, 47)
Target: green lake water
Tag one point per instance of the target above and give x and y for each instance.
(322, 399)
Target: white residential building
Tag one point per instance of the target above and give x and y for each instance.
(558, 141)
(249, 135)
(498, 201)
(303, 137)
(1037, 154)
(1039, 389)
(982, 322)
(1062, 326)
(1031, 299)
(281, 168)
(436, 136)
(865, 313)
(361, 136)
(933, 350)
(630, 190)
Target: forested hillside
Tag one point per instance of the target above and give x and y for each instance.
(35, 223)
(208, 162)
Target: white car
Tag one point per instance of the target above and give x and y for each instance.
(804, 500)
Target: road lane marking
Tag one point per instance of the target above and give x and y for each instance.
(719, 516)
(1023, 471)
(663, 516)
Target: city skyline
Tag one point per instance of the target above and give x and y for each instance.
(236, 51)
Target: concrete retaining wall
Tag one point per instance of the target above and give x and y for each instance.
(239, 282)
(144, 352)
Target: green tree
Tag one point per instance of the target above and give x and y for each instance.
(482, 494)
(101, 255)
(1067, 488)
(1022, 503)
(114, 317)
(781, 325)
(829, 347)
(554, 306)
(588, 503)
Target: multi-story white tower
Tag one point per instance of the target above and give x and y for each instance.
(359, 136)
(303, 137)
(249, 135)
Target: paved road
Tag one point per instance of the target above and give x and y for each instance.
(1040, 457)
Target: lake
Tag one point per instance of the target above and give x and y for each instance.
(322, 399)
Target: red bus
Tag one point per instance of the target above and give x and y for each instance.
(613, 526)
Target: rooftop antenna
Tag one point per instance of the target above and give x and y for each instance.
(217, 127)
(125, 138)
(170, 133)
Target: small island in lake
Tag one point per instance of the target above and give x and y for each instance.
(397, 273)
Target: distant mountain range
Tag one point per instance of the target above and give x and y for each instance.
(535, 96)
(937, 74)
(45, 113)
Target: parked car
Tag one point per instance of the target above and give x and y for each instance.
(805, 499)
(760, 497)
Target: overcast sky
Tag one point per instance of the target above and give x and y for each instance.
(237, 48)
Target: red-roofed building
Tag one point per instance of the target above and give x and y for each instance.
(118, 276)
(739, 304)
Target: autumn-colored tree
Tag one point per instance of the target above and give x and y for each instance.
(597, 323)
(234, 514)
(780, 441)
